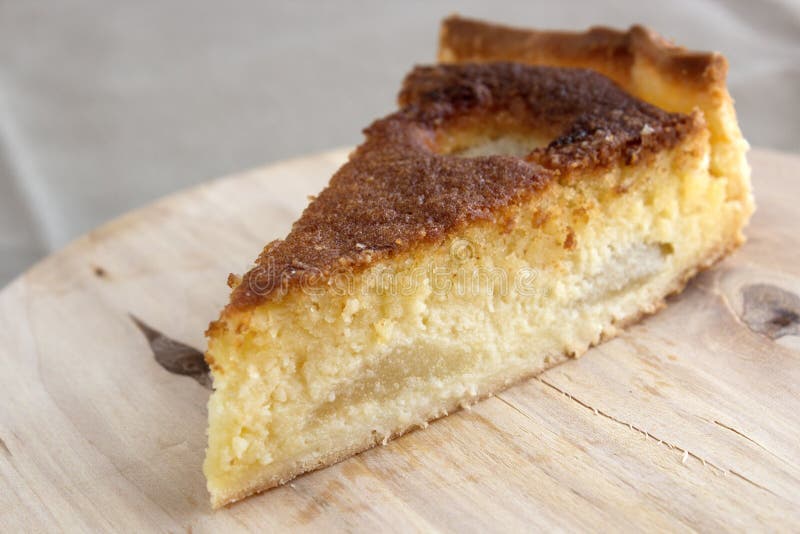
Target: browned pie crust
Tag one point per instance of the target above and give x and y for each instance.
(611, 52)
(398, 189)
(643, 63)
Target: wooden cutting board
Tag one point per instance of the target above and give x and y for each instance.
(690, 419)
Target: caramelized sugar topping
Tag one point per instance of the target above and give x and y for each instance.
(417, 178)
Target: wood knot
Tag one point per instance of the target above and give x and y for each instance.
(770, 310)
(99, 272)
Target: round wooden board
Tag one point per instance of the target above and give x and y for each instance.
(690, 419)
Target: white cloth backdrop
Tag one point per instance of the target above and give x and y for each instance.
(106, 105)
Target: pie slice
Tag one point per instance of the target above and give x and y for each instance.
(505, 219)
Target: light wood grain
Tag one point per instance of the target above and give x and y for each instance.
(689, 420)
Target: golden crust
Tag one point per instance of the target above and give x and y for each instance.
(400, 189)
(643, 63)
(611, 52)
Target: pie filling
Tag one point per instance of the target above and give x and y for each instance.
(326, 371)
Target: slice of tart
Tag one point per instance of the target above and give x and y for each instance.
(506, 218)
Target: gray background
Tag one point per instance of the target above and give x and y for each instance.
(105, 106)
